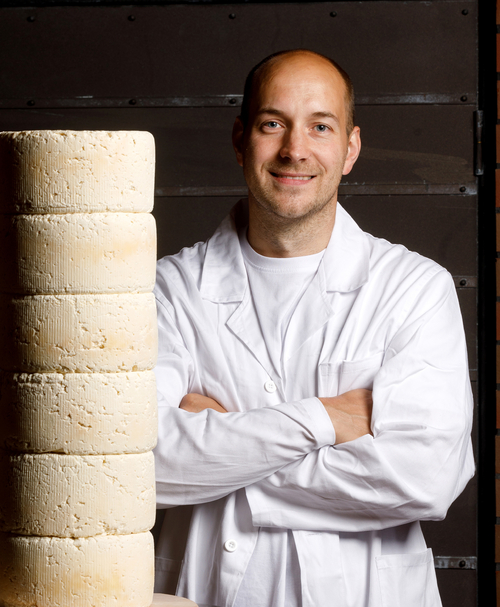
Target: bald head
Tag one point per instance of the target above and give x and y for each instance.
(263, 70)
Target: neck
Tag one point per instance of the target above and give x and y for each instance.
(275, 236)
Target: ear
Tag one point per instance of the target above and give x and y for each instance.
(238, 140)
(353, 150)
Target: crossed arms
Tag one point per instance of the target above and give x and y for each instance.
(350, 413)
(328, 457)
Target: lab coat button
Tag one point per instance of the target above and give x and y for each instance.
(230, 545)
(270, 386)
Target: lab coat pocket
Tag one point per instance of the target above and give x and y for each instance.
(356, 374)
(328, 379)
(408, 580)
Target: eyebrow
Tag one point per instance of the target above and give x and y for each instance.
(276, 112)
(326, 115)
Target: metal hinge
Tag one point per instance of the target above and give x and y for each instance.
(455, 562)
(478, 131)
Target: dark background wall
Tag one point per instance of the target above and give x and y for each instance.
(177, 70)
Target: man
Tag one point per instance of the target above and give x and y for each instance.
(302, 501)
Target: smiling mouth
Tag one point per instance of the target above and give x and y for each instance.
(294, 177)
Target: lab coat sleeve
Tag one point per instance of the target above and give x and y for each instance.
(419, 458)
(201, 457)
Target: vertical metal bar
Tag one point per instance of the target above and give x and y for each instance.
(478, 156)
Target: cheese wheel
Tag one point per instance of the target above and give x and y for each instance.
(78, 253)
(78, 333)
(76, 171)
(78, 413)
(77, 495)
(101, 571)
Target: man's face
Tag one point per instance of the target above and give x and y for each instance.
(295, 147)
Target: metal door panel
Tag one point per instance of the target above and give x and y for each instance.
(389, 48)
(445, 539)
(183, 221)
(405, 144)
(440, 227)
(467, 299)
(457, 588)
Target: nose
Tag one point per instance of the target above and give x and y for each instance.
(295, 145)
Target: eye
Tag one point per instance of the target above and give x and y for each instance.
(321, 128)
(272, 124)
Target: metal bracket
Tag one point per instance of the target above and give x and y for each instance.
(348, 189)
(455, 562)
(139, 101)
(465, 282)
(478, 131)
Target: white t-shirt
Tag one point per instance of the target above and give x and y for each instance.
(276, 286)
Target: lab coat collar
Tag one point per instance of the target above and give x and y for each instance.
(345, 263)
(224, 277)
(347, 257)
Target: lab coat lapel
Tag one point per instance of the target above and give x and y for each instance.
(224, 280)
(244, 323)
(311, 313)
(344, 268)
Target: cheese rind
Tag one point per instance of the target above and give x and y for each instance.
(78, 333)
(77, 495)
(102, 571)
(78, 413)
(78, 253)
(76, 171)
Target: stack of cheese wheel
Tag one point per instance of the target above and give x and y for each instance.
(78, 343)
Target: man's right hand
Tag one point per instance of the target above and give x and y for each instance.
(194, 403)
(350, 413)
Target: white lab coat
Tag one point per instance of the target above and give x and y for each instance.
(375, 316)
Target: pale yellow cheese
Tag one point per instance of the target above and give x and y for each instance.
(76, 171)
(77, 344)
(77, 253)
(78, 413)
(77, 495)
(101, 571)
(78, 333)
